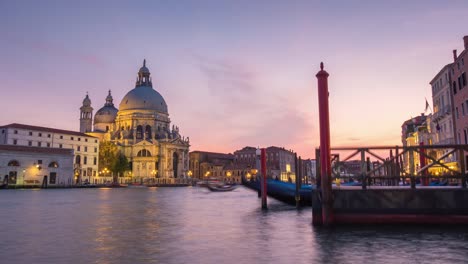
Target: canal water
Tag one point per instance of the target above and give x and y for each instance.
(193, 225)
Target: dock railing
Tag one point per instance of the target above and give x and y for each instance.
(412, 166)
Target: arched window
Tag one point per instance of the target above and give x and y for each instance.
(139, 132)
(13, 163)
(78, 159)
(148, 132)
(53, 164)
(144, 153)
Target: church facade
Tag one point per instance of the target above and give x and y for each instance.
(142, 131)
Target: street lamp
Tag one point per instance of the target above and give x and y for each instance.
(189, 173)
(229, 174)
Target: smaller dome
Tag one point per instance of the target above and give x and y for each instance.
(87, 101)
(106, 114)
(144, 70)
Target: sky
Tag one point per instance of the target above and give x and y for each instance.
(233, 73)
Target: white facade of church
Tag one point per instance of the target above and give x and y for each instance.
(142, 130)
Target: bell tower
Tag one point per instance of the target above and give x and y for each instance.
(86, 115)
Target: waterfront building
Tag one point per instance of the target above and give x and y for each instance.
(141, 129)
(85, 147)
(309, 168)
(416, 131)
(442, 121)
(208, 164)
(36, 166)
(460, 94)
(280, 162)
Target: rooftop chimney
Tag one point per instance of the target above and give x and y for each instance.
(454, 55)
(465, 40)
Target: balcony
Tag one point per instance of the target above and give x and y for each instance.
(443, 111)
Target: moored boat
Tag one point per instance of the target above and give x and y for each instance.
(221, 187)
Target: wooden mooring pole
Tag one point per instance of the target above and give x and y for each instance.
(325, 152)
(264, 179)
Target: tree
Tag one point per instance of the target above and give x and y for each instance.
(108, 152)
(120, 165)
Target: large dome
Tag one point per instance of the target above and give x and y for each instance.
(143, 98)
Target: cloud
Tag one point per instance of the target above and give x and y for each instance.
(68, 54)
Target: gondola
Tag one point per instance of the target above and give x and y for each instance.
(221, 188)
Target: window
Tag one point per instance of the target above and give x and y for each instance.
(48, 135)
(12, 177)
(459, 84)
(456, 112)
(48, 145)
(86, 140)
(40, 134)
(85, 160)
(144, 153)
(30, 143)
(463, 109)
(78, 159)
(16, 132)
(78, 148)
(95, 149)
(15, 142)
(13, 163)
(39, 144)
(30, 133)
(139, 132)
(53, 178)
(94, 161)
(95, 141)
(454, 87)
(71, 138)
(464, 79)
(79, 139)
(61, 137)
(53, 164)
(60, 145)
(86, 149)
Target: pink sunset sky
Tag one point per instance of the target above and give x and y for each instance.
(233, 73)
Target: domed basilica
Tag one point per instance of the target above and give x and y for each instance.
(141, 129)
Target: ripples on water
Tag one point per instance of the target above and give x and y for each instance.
(192, 225)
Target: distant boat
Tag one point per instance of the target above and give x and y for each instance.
(221, 187)
(136, 185)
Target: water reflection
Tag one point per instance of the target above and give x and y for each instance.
(192, 225)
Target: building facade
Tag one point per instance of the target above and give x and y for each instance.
(36, 166)
(460, 94)
(443, 118)
(85, 147)
(208, 164)
(416, 131)
(280, 162)
(142, 131)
